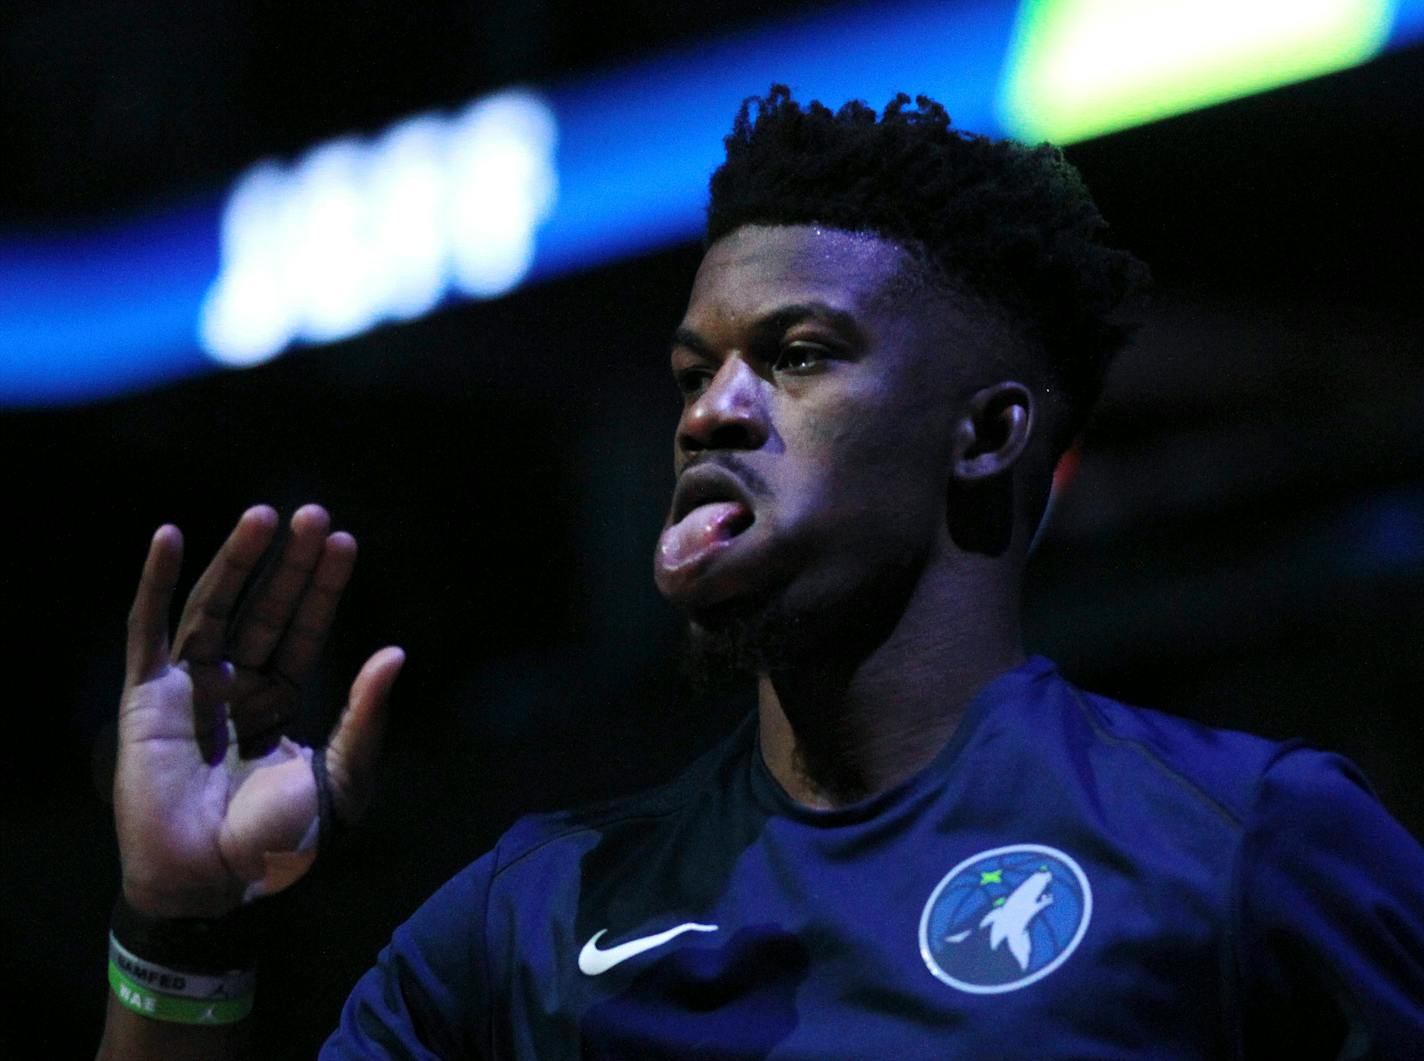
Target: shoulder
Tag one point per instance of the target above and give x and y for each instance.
(1221, 768)
(1328, 920)
(1274, 792)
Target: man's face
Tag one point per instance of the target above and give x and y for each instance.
(814, 444)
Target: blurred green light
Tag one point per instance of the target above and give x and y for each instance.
(1081, 68)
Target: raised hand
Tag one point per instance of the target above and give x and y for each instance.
(205, 822)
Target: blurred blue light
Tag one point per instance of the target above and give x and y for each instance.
(357, 232)
(95, 314)
(637, 145)
(87, 315)
(1408, 23)
(99, 314)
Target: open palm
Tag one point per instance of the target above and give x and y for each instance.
(212, 804)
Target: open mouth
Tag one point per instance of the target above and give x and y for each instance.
(709, 509)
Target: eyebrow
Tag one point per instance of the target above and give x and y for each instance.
(778, 321)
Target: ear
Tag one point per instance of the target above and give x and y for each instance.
(992, 433)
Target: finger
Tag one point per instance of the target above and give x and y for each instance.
(148, 618)
(351, 751)
(259, 719)
(212, 688)
(307, 632)
(265, 616)
(202, 630)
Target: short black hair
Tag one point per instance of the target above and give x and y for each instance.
(1009, 223)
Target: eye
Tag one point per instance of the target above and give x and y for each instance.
(692, 381)
(800, 357)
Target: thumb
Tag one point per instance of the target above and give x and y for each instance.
(351, 751)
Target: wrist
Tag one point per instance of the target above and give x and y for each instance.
(195, 943)
(186, 970)
(166, 903)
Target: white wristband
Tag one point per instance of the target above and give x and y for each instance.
(237, 983)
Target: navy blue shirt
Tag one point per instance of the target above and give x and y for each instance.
(1068, 878)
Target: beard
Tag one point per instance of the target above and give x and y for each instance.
(727, 650)
(730, 645)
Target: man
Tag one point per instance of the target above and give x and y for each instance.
(923, 844)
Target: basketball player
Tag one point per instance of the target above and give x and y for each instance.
(923, 843)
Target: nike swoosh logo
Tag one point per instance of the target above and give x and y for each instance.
(592, 961)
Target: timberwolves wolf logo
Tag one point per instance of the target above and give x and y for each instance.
(1004, 918)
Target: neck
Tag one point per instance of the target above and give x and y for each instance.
(845, 726)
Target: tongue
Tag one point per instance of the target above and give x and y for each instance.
(701, 530)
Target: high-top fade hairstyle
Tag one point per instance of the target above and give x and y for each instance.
(1008, 223)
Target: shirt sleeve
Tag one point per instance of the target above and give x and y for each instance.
(1329, 932)
(428, 994)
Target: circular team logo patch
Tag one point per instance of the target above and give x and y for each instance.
(1004, 918)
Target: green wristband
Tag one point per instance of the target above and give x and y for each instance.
(150, 1003)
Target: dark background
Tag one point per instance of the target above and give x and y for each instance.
(1243, 543)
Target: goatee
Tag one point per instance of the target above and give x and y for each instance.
(727, 650)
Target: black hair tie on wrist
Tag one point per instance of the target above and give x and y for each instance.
(331, 830)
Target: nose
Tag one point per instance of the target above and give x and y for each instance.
(730, 413)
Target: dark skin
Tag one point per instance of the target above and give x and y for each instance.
(876, 436)
(198, 829)
(869, 439)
